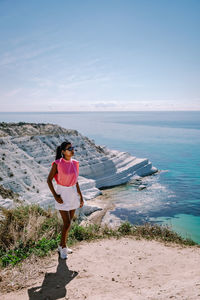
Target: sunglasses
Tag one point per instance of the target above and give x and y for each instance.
(69, 149)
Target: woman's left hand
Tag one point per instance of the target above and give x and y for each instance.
(81, 202)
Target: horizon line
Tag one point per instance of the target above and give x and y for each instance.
(87, 111)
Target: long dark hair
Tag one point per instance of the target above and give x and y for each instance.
(60, 148)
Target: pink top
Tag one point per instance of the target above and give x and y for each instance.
(68, 171)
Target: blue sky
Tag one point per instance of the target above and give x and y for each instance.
(99, 55)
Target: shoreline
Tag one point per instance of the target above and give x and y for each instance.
(102, 201)
(103, 217)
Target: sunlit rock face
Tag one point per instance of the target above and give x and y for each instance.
(28, 149)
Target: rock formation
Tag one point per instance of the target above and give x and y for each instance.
(28, 149)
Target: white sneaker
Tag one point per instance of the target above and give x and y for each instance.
(69, 251)
(62, 252)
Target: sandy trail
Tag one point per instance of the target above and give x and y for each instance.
(118, 269)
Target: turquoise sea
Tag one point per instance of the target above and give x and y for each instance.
(171, 141)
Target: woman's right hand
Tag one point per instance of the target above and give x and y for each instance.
(58, 199)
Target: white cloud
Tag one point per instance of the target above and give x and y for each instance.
(23, 53)
(105, 105)
(13, 92)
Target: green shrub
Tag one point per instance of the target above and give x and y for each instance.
(80, 233)
(125, 228)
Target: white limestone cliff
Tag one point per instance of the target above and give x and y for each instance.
(28, 149)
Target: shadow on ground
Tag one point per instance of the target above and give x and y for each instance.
(54, 284)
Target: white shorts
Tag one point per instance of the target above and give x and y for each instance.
(70, 197)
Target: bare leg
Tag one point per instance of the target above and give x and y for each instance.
(72, 212)
(67, 216)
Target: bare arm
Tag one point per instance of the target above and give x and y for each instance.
(81, 197)
(50, 177)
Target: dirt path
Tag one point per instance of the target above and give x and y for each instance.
(116, 269)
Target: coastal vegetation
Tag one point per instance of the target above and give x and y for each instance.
(27, 230)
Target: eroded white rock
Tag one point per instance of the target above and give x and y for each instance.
(27, 151)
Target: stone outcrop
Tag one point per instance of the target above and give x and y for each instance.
(28, 149)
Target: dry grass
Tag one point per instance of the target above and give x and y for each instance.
(24, 274)
(26, 224)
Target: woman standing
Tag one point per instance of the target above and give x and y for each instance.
(65, 170)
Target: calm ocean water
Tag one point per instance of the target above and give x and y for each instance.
(171, 141)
